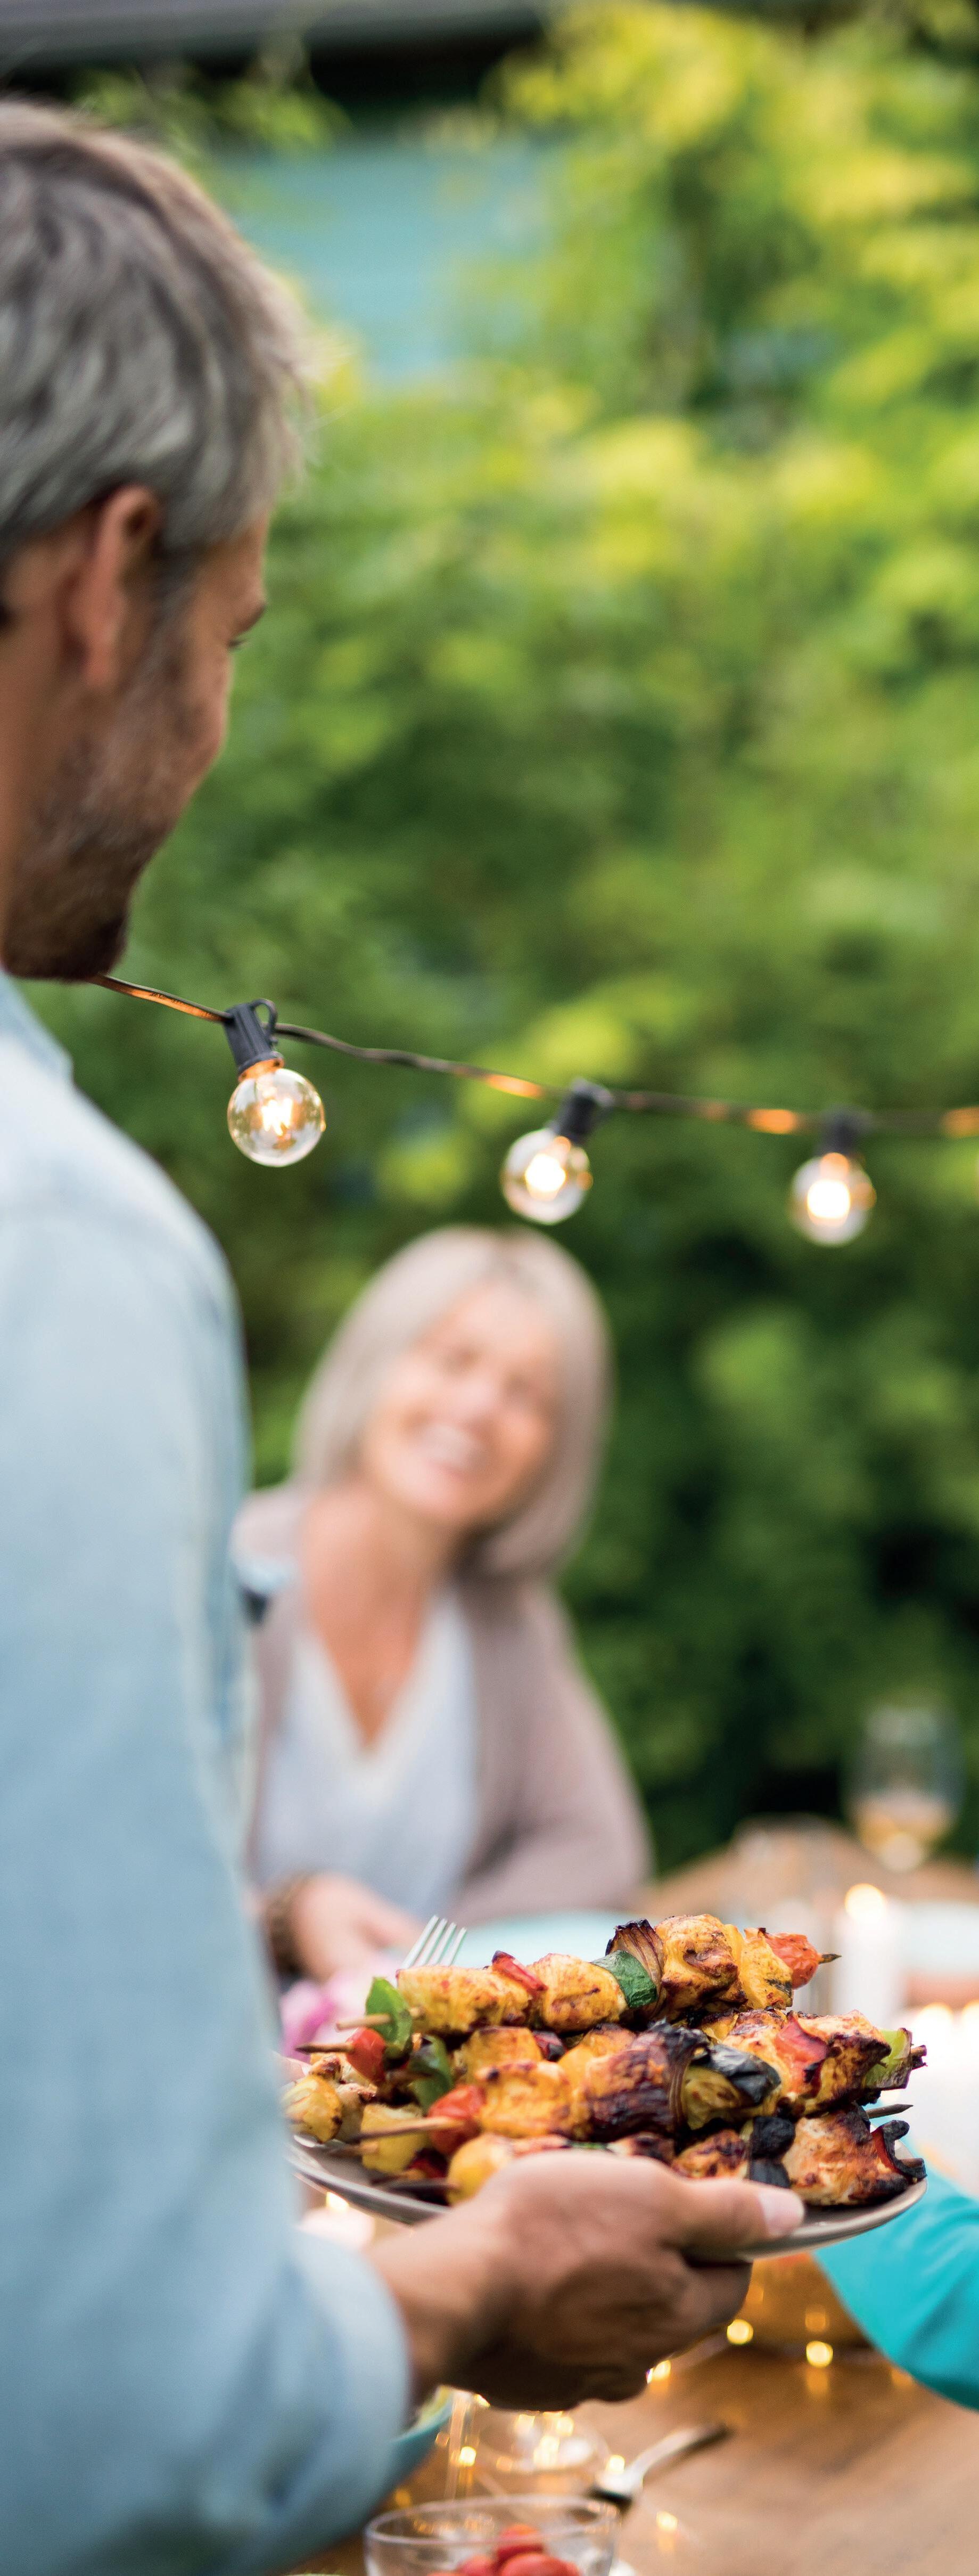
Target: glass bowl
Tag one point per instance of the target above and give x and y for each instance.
(427, 2538)
(550, 2455)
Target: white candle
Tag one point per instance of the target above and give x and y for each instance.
(944, 2093)
(869, 1973)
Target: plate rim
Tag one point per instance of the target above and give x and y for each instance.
(330, 2172)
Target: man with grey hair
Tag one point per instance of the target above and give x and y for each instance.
(188, 2381)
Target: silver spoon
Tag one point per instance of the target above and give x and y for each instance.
(622, 2486)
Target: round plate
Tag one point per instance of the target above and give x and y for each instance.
(335, 2171)
(823, 2227)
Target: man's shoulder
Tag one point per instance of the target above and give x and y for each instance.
(58, 1151)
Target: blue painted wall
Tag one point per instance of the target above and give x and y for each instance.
(381, 232)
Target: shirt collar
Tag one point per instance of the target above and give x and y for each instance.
(19, 1023)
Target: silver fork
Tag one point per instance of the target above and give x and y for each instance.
(438, 1946)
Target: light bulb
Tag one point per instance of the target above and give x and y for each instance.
(274, 1115)
(545, 1176)
(831, 1198)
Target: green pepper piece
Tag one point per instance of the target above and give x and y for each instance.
(432, 2073)
(396, 2027)
(639, 1988)
(884, 2069)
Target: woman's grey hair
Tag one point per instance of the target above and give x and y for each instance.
(140, 340)
(403, 1303)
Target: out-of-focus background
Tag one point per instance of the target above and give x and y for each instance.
(618, 713)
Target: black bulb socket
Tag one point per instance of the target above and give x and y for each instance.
(584, 1106)
(843, 1131)
(251, 1039)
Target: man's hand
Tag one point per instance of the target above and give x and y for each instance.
(569, 2276)
(336, 1923)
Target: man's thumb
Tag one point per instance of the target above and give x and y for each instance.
(720, 2217)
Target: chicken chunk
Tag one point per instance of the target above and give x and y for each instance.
(528, 2101)
(817, 2061)
(644, 2142)
(508, 2046)
(844, 2161)
(605, 2040)
(635, 2086)
(699, 1962)
(723, 2157)
(764, 1979)
(478, 2161)
(313, 2104)
(574, 1994)
(328, 2101)
(454, 2001)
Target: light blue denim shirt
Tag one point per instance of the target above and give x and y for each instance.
(186, 2382)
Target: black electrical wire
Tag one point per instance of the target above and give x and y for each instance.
(856, 1123)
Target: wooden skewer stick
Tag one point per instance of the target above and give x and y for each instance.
(408, 2128)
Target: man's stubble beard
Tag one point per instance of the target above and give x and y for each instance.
(101, 819)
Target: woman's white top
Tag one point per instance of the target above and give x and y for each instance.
(399, 1813)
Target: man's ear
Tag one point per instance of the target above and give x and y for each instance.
(104, 593)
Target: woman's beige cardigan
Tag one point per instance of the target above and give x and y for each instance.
(558, 1820)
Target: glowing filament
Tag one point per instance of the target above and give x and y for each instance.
(274, 1115)
(545, 1176)
(831, 1198)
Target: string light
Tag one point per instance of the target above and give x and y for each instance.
(831, 1197)
(546, 1174)
(275, 1116)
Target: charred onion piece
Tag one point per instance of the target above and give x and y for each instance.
(725, 2080)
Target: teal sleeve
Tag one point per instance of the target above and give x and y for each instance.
(914, 2288)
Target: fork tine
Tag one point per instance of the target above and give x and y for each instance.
(438, 1945)
(419, 1948)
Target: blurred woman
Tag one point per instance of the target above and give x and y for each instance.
(428, 1738)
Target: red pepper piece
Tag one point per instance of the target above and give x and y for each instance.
(477, 2567)
(510, 1967)
(366, 2053)
(458, 2111)
(796, 1954)
(516, 2535)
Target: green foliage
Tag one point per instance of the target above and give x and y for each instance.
(274, 107)
(619, 713)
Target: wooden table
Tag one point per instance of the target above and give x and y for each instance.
(851, 2468)
(851, 2471)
